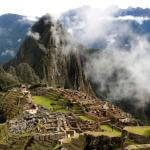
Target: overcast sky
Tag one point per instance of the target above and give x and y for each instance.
(56, 7)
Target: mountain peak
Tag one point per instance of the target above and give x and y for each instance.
(50, 51)
(44, 22)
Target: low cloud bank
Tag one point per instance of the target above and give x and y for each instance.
(121, 67)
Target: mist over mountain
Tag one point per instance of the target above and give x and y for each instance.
(119, 68)
(56, 88)
(80, 81)
(13, 29)
(83, 22)
(119, 64)
(53, 54)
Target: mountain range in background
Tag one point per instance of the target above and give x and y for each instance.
(14, 28)
(82, 21)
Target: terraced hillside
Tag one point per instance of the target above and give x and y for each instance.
(55, 118)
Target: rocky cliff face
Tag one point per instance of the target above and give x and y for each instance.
(53, 55)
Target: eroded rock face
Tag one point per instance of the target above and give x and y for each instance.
(53, 55)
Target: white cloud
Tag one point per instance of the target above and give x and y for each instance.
(130, 70)
(123, 66)
(40, 7)
(19, 40)
(34, 35)
(8, 53)
(27, 20)
(132, 18)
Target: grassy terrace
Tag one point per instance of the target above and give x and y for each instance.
(110, 130)
(105, 133)
(87, 118)
(51, 103)
(142, 130)
(57, 103)
(43, 101)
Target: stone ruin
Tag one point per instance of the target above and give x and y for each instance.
(50, 124)
(55, 126)
(100, 110)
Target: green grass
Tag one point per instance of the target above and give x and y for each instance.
(57, 103)
(105, 133)
(109, 129)
(52, 104)
(43, 101)
(86, 118)
(140, 130)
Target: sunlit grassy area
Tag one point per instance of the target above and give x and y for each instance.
(43, 101)
(57, 103)
(140, 130)
(86, 118)
(109, 129)
(53, 104)
(105, 133)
